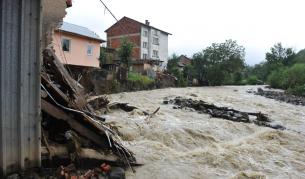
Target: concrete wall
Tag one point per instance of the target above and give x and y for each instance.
(144, 39)
(163, 48)
(20, 56)
(78, 50)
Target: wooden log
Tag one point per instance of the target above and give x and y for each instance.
(61, 151)
(86, 153)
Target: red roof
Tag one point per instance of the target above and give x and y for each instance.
(129, 19)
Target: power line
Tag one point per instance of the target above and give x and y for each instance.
(120, 25)
(109, 10)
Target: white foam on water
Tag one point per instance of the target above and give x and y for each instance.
(177, 143)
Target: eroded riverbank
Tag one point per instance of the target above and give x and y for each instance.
(185, 144)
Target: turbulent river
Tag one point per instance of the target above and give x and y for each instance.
(178, 143)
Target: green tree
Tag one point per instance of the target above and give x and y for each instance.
(172, 67)
(103, 57)
(172, 63)
(295, 76)
(188, 72)
(218, 63)
(200, 64)
(125, 52)
(299, 57)
(280, 55)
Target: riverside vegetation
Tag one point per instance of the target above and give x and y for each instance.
(224, 64)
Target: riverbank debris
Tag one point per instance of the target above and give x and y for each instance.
(226, 113)
(99, 102)
(280, 96)
(72, 133)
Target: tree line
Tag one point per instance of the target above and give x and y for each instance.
(224, 64)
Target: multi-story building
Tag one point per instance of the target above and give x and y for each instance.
(150, 43)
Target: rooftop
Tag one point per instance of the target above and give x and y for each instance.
(79, 30)
(149, 26)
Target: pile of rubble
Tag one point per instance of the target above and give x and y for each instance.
(280, 96)
(72, 134)
(164, 80)
(223, 112)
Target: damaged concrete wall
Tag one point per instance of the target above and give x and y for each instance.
(53, 11)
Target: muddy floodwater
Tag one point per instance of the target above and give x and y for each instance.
(181, 143)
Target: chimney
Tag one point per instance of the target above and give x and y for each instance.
(147, 22)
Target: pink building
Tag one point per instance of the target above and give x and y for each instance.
(76, 45)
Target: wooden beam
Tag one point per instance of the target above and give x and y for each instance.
(54, 89)
(79, 98)
(58, 113)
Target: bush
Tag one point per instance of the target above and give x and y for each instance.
(139, 80)
(252, 80)
(115, 86)
(295, 76)
(297, 90)
(277, 79)
(181, 81)
(237, 78)
(291, 79)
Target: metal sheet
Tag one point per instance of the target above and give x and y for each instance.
(20, 53)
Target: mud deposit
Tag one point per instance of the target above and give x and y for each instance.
(185, 144)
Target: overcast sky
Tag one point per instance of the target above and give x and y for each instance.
(195, 24)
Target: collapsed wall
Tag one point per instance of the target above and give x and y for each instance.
(53, 11)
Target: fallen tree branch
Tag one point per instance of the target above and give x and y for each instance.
(152, 114)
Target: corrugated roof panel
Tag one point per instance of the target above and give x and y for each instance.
(76, 29)
(19, 85)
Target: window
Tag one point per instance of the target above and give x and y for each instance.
(90, 50)
(145, 33)
(144, 44)
(144, 56)
(155, 53)
(155, 41)
(155, 32)
(66, 44)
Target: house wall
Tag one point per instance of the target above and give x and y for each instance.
(78, 50)
(141, 68)
(123, 27)
(120, 29)
(163, 48)
(115, 42)
(145, 39)
(135, 31)
(147, 66)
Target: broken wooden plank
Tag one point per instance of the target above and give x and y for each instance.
(80, 128)
(50, 56)
(54, 89)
